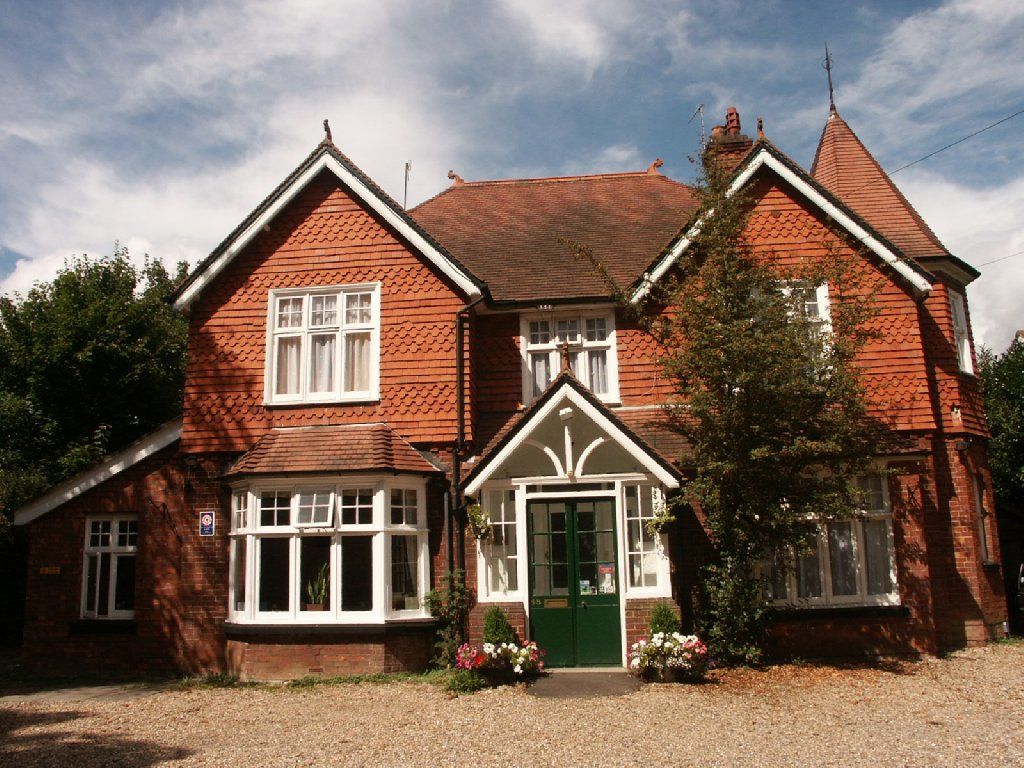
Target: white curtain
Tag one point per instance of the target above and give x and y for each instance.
(357, 362)
(289, 353)
(598, 372)
(541, 372)
(323, 364)
(878, 557)
(843, 559)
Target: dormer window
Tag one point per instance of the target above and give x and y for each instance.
(590, 337)
(323, 344)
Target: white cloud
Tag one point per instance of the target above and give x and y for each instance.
(980, 225)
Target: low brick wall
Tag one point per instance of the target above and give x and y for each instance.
(285, 657)
(638, 617)
(515, 612)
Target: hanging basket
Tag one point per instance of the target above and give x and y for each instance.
(479, 523)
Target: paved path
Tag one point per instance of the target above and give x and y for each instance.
(584, 684)
(62, 693)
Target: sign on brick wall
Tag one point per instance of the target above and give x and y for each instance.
(207, 518)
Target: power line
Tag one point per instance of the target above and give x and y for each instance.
(958, 141)
(1001, 258)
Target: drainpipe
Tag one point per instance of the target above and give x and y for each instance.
(455, 523)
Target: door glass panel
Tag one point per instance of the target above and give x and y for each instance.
(560, 580)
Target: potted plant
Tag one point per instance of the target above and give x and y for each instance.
(668, 658)
(662, 518)
(479, 523)
(318, 588)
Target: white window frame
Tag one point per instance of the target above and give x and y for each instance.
(340, 329)
(663, 587)
(379, 530)
(553, 348)
(485, 561)
(823, 323)
(961, 332)
(862, 598)
(115, 551)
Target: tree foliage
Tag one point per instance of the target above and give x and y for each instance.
(772, 408)
(1003, 381)
(88, 363)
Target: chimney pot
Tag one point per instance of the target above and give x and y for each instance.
(732, 121)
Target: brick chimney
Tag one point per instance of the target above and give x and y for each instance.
(728, 144)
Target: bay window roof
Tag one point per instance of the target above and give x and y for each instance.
(337, 449)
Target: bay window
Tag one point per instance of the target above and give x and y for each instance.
(323, 344)
(108, 574)
(352, 551)
(591, 341)
(846, 562)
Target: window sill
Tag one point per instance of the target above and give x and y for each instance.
(103, 627)
(810, 613)
(239, 629)
(991, 565)
(360, 400)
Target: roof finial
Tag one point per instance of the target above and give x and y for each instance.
(653, 167)
(455, 177)
(327, 130)
(760, 127)
(566, 358)
(828, 69)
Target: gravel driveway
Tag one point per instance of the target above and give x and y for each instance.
(964, 710)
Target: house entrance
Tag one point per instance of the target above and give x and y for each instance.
(574, 582)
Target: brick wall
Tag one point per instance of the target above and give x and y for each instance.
(181, 578)
(515, 612)
(286, 657)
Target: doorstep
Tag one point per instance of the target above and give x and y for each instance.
(584, 683)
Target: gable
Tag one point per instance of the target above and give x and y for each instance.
(325, 158)
(568, 433)
(764, 158)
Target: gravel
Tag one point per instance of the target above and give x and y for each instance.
(967, 709)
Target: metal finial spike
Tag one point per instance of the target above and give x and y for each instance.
(828, 69)
(327, 131)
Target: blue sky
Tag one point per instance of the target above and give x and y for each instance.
(161, 125)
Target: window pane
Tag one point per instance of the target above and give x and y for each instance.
(127, 533)
(315, 573)
(239, 502)
(357, 506)
(878, 557)
(540, 332)
(540, 364)
(103, 595)
(568, 330)
(124, 586)
(289, 352)
(404, 573)
(314, 508)
(92, 576)
(403, 506)
(358, 309)
(598, 372)
(874, 497)
(356, 573)
(275, 508)
(238, 574)
(275, 564)
(808, 573)
(597, 329)
(357, 362)
(289, 313)
(321, 363)
(324, 310)
(842, 558)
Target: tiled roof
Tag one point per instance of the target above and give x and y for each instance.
(338, 449)
(845, 168)
(510, 233)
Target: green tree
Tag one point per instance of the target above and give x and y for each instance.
(88, 362)
(767, 397)
(1002, 377)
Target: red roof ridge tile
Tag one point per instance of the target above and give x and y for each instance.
(646, 173)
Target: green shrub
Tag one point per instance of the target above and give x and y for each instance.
(497, 629)
(465, 681)
(450, 604)
(664, 619)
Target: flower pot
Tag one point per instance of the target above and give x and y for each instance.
(498, 676)
(315, 607)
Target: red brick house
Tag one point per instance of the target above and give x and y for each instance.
(356, 369)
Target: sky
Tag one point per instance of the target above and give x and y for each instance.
(160, 125)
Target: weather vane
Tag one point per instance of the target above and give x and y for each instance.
(828, 69)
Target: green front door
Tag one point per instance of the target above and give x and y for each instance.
(574, 582)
